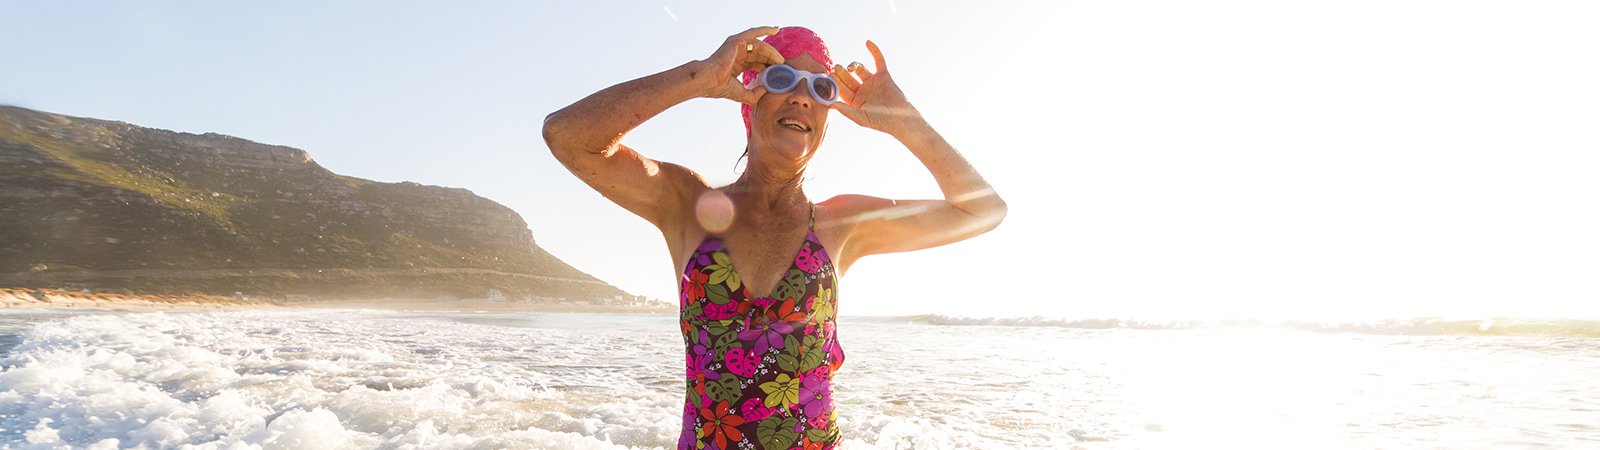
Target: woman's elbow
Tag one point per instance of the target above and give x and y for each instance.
(554, 132)
(990, 207)
(993, 212)
(999, 210)
(987, 210)
(562, 135)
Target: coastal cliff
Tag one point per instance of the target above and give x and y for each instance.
(111, 206)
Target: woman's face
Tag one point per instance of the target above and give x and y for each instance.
(789, 125)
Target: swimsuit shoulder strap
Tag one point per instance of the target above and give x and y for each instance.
(813, 224)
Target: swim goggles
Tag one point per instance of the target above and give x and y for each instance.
(781, 79)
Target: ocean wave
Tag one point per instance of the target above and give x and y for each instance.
(242, 381)
(1576, 328)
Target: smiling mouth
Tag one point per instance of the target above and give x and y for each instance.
(794, 125)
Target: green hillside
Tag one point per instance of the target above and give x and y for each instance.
(98, 204)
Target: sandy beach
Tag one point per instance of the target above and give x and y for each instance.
(53, 298)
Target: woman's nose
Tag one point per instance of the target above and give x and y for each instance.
(797, 97)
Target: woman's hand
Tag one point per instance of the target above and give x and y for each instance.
(741, 52)
(871, 99)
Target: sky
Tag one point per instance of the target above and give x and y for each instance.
(1261, 159)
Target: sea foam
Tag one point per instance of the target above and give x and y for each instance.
(220, 381)
(395, 380)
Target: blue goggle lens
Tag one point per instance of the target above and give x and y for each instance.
(781, 79)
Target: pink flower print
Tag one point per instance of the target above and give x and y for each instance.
(708, 246)
(687, 437)
(821, 256)
(724, 311)
(700, 364)
(753, 410)
(741, 362)
(807, 260)
(820, 372)
(764, 302)
(816, 395)
(820, 422)
(831, 344)
(766, 333)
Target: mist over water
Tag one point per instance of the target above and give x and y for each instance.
(369, 379)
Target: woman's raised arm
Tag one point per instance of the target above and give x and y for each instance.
(586, 136)
(970, 206)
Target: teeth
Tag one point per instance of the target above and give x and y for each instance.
(793, 124)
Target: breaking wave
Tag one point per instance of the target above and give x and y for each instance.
(1578, 328)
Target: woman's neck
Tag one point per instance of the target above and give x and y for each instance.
(769, 188)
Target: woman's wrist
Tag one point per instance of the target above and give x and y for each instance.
(701, 76)
(912, 128)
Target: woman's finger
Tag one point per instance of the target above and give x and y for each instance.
(860, 71)
(877, 56)
(761, 54)
(755, 33)
(850, 112)
(750, 96)
(736, 91)
(736, 47)
(848, 84)
(845, 79)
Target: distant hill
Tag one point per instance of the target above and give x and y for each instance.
(103, 205)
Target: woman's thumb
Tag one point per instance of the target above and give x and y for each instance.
(850, 112)
(749, 96)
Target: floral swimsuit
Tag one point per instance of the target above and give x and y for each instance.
(759, 370)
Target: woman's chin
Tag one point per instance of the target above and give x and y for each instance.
(796, 152)
(790, 148)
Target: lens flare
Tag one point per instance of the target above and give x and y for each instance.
(715, 211)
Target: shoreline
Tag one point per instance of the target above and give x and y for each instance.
(470, 306)
(14, 298)
(17, 298)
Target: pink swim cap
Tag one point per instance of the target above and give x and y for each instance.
(790, 42)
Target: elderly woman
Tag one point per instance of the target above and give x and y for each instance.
(759, 335)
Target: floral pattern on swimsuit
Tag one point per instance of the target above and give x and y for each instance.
(759, 370)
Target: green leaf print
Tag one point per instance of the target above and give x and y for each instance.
(717, 294)
(792, 287)
(715, 328)
(723, 271)
(724, 342)
(777, 432)
(693, 312)
(821, 435)
(811, 356)
(724, 390)
(788, 362)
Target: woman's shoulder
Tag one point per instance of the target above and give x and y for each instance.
(837, 219)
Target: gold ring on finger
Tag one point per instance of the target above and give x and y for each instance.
(749, 47)
(857, 65)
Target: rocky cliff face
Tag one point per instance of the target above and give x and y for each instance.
(109, 205)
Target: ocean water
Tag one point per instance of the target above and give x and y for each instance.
(315, 379)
